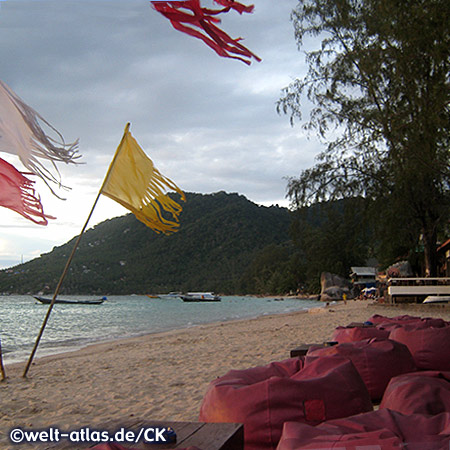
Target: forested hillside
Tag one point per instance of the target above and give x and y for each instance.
(219, 238)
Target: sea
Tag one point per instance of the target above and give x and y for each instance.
(71, 327)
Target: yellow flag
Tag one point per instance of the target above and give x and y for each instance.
(134, 182)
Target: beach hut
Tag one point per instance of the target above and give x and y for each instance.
(364, 277)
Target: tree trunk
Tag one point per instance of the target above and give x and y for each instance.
(430, 253)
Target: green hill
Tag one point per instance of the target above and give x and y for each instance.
(219, 238)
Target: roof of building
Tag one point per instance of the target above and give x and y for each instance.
(364, 271)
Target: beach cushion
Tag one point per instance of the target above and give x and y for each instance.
(352, 334)
(382, 429)
(425, 392)
(377, 319)
(428, 346)
(376, 360)
(390, 323)
(263, 398)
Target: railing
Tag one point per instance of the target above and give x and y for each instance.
(417, 287)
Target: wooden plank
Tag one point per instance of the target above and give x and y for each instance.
(302, 350)
(183, 430)
(206, 436)
(217, 436)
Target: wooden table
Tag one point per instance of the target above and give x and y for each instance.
(205, 436)
(302, 349)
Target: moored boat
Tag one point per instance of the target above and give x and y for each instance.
(47, 301)
(173, 294)
(200, 297)
(437, 299)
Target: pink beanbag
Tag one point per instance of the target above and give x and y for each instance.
(390, 323)
(263, 398)
(428, 346)
(377, 430)
(418, 393)
(377, 319)
(376, 360)
(352, 334)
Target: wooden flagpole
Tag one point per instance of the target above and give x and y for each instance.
(2, 368)
(69, 260)
(66, 269)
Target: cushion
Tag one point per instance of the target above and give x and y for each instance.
(352, 334)
(390, 323)
(382, 429)
(377, 319)
(376, 360)
(428, 346)
(426, 392)
(263, 398)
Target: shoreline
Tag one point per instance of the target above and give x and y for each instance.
(150, 334)
(162, 376)
(62, 349)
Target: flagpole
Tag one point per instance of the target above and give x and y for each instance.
(127, 128)
(66, 269)
(2, 367)
(69, 260)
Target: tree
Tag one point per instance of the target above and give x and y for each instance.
(276, 269)
(380, 88)
(332, 238)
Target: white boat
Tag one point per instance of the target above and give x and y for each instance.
(437, 299)
(171, 295)
(200, 297)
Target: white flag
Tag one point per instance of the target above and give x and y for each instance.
(21, 134)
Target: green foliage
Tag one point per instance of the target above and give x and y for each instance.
(333, 238)
(380, 84)
(327, 237)
(277, 269)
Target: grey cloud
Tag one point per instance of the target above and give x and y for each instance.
(90, 66)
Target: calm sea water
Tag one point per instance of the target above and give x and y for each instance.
(73, 326)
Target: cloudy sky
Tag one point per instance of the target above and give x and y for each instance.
(208, 123)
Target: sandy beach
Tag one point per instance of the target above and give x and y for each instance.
(163, 376)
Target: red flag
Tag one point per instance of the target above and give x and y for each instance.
(186, 15)
(17, 193)
(240, 8)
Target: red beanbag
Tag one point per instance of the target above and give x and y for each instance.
(352, 334)
(428, 346)
(377, 319)
(376, 360)
(377, 430)
(263, 398)
(390, 323)
(418, 393)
